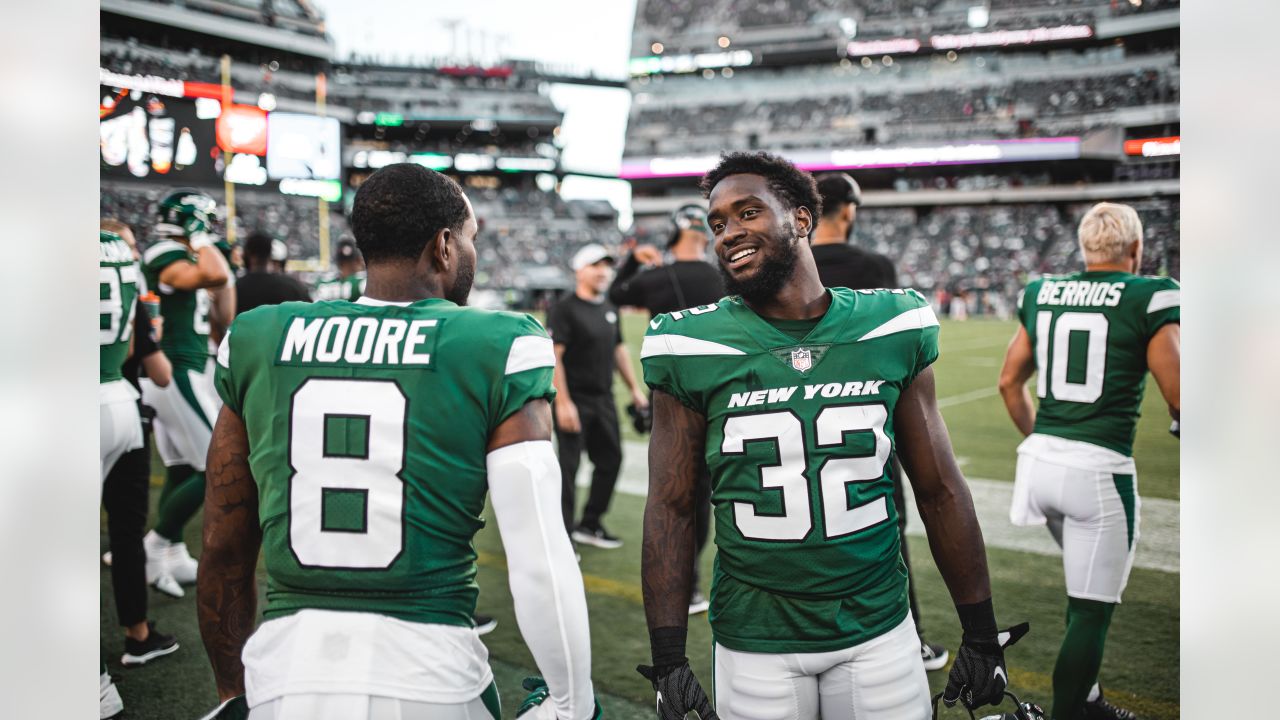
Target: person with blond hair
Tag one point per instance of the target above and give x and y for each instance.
(1090, 337)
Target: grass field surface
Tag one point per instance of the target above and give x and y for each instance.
(1140, 670)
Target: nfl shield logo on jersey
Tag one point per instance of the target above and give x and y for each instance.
(801, 359)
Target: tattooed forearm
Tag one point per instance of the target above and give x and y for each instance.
(226, 591)
(666, 561)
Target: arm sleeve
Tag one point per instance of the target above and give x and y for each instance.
(1164, 306)
(927, 350)
(526, 372)
(624, 291)
(546, 583)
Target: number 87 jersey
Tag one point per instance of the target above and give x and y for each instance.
(368, 425)
(799, 436)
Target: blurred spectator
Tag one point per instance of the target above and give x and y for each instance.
(264, 281)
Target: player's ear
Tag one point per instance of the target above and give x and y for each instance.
(804, 221)
(438, 249)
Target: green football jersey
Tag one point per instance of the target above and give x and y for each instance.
(350, 288)
(186, 312)
(1090, 332)
(117, 293)
(799, 436)
(368, 425)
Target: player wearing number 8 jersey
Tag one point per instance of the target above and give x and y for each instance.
(356, 446)
(1090, 337)
(796, 395)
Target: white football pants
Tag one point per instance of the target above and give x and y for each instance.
(881, 679)
(317, 706)
(119, 426)
(185, 412)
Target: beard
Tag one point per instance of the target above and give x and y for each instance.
(777, 266)
(461, 289)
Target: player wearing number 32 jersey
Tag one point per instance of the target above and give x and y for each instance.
(356, 444)
(1090, 337)
(796, 396)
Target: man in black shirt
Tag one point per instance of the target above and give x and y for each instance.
(843, 265)
(588, 346)
(688, 281)
(261, 284)
(839, 263)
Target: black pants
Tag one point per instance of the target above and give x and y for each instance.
(601, 439)
(124, 496)
(899, 502)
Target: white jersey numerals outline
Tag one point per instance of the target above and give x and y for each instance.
(376, 475)
(786, 431)
(1054, 338)
(113, 307)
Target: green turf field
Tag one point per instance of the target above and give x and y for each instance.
(1141, 666)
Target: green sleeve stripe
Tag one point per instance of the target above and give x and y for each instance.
(1163, 300)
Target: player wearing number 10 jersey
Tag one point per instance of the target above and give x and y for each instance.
(356, 446)
(796, 396)
(1090, 337)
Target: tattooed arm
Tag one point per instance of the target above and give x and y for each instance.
(226, 590)
(666, 561)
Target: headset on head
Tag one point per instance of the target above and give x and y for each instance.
(685, 217)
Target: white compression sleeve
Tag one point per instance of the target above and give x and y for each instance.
(546, 583)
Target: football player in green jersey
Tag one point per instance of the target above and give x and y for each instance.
(1090, 337)
(351, 278)
(355, 449)
(796, 395)
(121, 427)
(182, 267)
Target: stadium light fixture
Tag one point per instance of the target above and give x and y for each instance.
(849, 27)
(723, 41)
(656, 48)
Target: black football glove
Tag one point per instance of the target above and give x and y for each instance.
(978, 676)
(678, 692)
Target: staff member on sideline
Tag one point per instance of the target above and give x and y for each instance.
(688, 281)
(262, 283)
(588, 346)
(843, 265)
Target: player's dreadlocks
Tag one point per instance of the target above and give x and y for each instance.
(793, 186)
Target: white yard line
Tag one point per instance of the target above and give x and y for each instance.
(962, 398)
(1159, 529)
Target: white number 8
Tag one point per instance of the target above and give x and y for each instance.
(382, 404)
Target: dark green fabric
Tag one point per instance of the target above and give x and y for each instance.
(491, 701)
(1125, 488)
(797, 329)
(181, 498)
(1080, 656)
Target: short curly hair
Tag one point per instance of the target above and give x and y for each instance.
(401, 208)
(795, 187)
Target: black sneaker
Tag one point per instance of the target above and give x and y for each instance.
(1100, 709)
(484, 624)
(934, 656)
(141, 652)
(596, 536)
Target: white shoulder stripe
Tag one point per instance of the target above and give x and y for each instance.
(224, 350)
(917, 319)
(655, 345)
(1164, 299)
(160, 248)
(529, 352)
